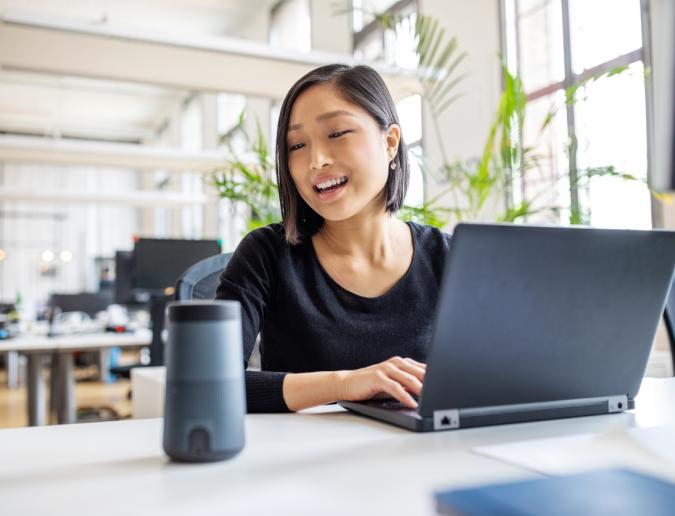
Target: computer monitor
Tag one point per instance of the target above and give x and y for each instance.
(88, 302)
(662, 178)
(158, 263)
(124, 291)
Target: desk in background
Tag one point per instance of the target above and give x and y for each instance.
(320, 461)
(63, 377)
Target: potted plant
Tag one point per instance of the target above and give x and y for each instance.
(464, 186)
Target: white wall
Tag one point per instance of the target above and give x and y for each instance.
(210, 137)
(87, 230)
(465, 124)
(330, 32)
(232, 226)
(662, 18)
(256, 28)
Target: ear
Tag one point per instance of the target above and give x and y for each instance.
(393, 137)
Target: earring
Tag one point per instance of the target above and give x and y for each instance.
(392, 165)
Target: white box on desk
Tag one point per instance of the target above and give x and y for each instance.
(147, 391)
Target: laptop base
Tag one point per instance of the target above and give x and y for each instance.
(487, 416)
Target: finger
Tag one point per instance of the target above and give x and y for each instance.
(405, 365)
(396, 391)
(407, 380)
(415, 370)
(403, 362)
(406, 361)
(415, 362)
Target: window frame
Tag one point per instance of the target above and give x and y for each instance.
(642, 54)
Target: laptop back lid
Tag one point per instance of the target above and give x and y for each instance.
(532, 314)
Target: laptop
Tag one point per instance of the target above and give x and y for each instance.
(536, 323)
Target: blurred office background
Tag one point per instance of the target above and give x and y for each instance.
(114, 115)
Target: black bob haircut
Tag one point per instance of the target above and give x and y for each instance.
(364, 87)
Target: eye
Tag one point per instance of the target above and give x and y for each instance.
(337, 134)
(297, 146)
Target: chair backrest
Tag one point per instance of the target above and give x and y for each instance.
(201, 280)
(669, 316)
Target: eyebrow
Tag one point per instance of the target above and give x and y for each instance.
(321, 118)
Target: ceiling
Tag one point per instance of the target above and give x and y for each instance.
(48, 105)
(212, 17)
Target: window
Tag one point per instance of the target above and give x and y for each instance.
(229, 110)
(373, 43)
(553, 45)
(410, 116)
(191, 139)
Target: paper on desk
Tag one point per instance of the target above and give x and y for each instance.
(647, 449)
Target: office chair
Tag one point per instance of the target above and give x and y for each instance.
(669, 317)
(201, 280)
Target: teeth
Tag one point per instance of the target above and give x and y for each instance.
(331, 182)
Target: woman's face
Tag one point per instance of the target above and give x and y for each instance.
(337, 154)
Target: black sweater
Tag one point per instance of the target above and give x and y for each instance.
(307, 322)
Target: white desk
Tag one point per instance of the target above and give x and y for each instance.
(63, 379)
(323, 461)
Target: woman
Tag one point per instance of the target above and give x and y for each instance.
(342, 292)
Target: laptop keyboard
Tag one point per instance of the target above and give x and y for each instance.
(388, 404)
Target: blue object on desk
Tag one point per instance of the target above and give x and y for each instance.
(115, 353)
(607, 492)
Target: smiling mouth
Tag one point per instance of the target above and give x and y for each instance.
(331, 185)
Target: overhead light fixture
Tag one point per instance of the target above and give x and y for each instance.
(48, 255)
(66, 256)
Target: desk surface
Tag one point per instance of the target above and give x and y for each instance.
(77, 341)
(322, 461)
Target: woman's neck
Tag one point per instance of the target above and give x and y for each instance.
(373, 237)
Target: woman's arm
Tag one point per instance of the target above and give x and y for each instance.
(250, 278)
(397, 378)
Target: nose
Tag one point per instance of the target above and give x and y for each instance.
(320, 158)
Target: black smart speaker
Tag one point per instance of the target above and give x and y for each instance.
(205, 401)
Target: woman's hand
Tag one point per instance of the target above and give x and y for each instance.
(397, 378)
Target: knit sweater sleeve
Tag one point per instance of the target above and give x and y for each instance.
(250, 278)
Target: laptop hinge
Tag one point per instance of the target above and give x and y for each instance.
(614, 404)
(450, 418)
(446, 419)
